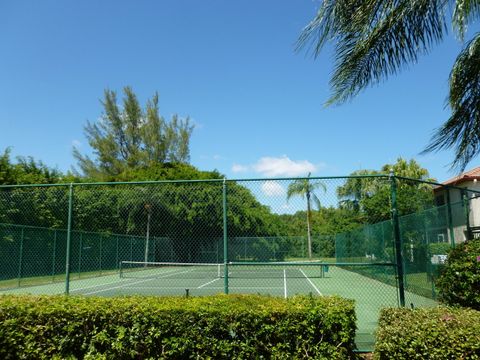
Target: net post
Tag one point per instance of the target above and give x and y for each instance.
(69, 238)
(450, 220)
(398, 240)
(225, 236)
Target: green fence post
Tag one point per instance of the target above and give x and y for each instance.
(116, 252)
(450, 220)
(80, 246)
(20, 258)
(398, 240)
(131, 248)
(245, 249)
(54, 254)
(466, 205)
(101, 250)
(225, 236)
(69, 238)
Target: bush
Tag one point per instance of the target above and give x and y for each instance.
(222, 326)
(435, 333)
(459, 281)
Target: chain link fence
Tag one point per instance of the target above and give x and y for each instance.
(381, 240)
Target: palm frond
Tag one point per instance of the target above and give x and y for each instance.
(374, 39)
(316, 200)
(297, 188)
(302, 187)
(318, 185)
(464, 12)
(396, 37)
(462, 129)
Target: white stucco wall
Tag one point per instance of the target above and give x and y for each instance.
(458, 210)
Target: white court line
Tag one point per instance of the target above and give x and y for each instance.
(285, 282)
(248, 287)
(208, 283)
(311, 283)
(96, 286)
(113, 282)
(136, 282)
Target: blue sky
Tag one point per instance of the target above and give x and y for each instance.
(230, 66)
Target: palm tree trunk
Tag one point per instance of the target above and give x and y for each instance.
(309, 238)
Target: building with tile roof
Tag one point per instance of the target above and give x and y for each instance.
(463, 206)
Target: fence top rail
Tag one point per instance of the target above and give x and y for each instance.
(153, 182)
(439, 185)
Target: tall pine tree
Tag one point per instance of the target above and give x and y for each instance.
(128, 137)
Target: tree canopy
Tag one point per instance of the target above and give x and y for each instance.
(26, 170)
(370, 196)
(128, 137)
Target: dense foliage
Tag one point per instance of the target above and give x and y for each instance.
(435, 333)
(128, 137)
(233, 327)
(459, 282)
(191, 213)
(326, 222)
(26, 170)
(370, 196)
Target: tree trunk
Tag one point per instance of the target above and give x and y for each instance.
(309, 238)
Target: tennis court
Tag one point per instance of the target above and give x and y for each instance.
(284, 280)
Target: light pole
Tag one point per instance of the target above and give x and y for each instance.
(148, 207)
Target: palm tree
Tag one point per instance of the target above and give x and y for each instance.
(462, 129)
(357, 188)
(306, 189)
(375, 39)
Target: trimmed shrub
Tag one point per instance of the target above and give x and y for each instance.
(221, 327)
(435, 333)
(459, 281)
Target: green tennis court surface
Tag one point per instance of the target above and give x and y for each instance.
(370, 295)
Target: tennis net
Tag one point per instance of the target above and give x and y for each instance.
(241, 270)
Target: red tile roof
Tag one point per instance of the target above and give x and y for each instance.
(470, 175)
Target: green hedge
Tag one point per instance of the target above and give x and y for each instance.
(222, 327)
(435, 333)
(459, 282)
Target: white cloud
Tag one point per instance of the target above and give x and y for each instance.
(237, 168)
(283, 166)
(273, 188)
